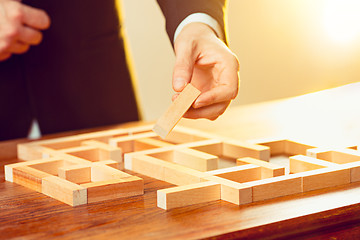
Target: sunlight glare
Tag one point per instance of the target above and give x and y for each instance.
(342, 19)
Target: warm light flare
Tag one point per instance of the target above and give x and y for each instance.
(342, 19)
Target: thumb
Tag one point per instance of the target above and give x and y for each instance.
(184, 66)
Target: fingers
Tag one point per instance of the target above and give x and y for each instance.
(35, 18)
(18, 48)
(29, 35)
(211, 112)
(21, 25)
(4, 56)
(184, 65)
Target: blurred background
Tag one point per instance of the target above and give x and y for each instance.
(286, 48)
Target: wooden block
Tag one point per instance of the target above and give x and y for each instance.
(165, 171)
(76, 173)
(110, 163)
(267, 169)
(195, 159)
(236, 149)
(320, 153)
(211, 148)
(177, 109)
(354, 170)
(188, 195)
(276, 187)
(113, 189)
(146, 165)
(28, 151)
(29, 177)
(149, 143)
(86, 152)
(277, 146)
(108, 151)
(64, 191)
(104, 173)
(181, 135)
(295, 148)
(241, 174)
(180, 175)
(324, 178)
(345, 156)
(51, 166)
(234, 192)
(301, 163)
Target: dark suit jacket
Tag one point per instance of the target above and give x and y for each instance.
(78, 76)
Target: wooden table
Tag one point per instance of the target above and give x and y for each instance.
(330, 117)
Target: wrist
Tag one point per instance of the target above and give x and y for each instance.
(194, 31)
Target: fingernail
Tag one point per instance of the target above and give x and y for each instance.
(179, 84)
(198, 104)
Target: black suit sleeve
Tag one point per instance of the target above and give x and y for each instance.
(177, 10)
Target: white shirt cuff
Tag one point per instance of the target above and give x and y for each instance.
(202, 18)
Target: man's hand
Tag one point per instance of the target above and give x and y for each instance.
(20, 27)
(206, 62)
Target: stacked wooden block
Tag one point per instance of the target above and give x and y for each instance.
(203, 167)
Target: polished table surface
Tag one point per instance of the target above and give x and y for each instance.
(327, 118)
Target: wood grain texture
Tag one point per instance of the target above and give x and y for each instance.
(177, 109)
(188, 195)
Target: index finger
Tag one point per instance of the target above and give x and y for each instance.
(35, 18)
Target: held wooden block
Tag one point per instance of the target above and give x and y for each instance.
(188, 195)
(324, 178)
(64, 191)
(171, 117)
(267, 169)
(114, 188)
(234, 192)
(76, 173)
(301, 163)
(244, 173)
(276, 187)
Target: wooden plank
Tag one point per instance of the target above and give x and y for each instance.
(196, 160)
(301, 163)
(324, 178)
(243, 173)
(114, 188)
(29, 177)
(277, 146)
(234, 192)
(64, 191)
(9, 167)
(165, 171)
(237, 149)
(177, 109)
(103, 173)
(109, 152)
(296, 148)
(76, 173)
(188, 195)
(267, 169)
(149, 143)
(276, 187)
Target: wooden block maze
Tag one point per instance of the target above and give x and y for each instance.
(86, 168)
